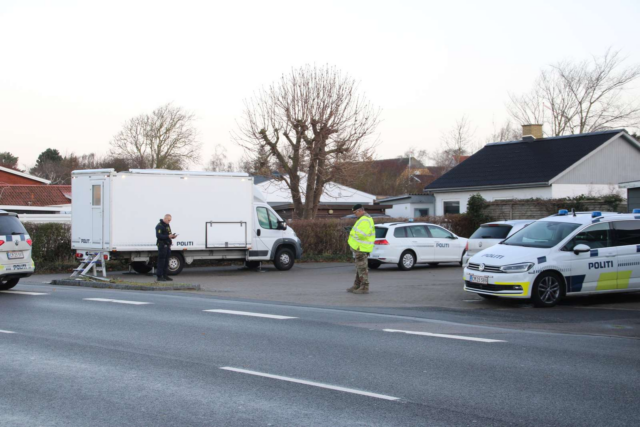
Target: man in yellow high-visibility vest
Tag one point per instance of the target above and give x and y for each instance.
(361, 239)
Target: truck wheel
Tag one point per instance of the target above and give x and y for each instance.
(374, 264)
(141, 267)
(8, 284)
(284, 259)
(176, 264)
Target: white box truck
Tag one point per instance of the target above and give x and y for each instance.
(217, 216)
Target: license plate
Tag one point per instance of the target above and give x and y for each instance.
(15, 255)
(480, 279)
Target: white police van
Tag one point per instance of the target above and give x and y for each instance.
(15, 251)
(567, 253)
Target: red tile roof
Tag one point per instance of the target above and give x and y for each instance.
(35, 195)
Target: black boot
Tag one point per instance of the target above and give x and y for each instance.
(168, 279)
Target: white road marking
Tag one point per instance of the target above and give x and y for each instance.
(24, 293)
(454, 337)
(247, 313)
(117, 301)
(6, 332)
(311, 383)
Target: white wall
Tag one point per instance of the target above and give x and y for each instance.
(407, 210)
(560, 191)
(490, 195)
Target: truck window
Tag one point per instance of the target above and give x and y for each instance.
(273, 220)
(263, 218)
(96, 195)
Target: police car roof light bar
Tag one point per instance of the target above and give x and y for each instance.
(563, 212)
(636, 211)
(596, 214)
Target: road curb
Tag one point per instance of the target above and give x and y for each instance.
(124, 286)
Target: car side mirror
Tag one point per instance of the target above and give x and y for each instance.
(580, 249)
(282, 225)
(453, 237)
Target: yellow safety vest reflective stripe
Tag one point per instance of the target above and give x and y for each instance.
(363, 234)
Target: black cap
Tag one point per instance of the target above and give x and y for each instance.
(356, 207)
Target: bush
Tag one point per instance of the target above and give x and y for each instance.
(51, 242)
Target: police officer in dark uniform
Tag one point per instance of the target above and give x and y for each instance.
(164, 236)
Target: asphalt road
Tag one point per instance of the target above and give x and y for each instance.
(79, 357)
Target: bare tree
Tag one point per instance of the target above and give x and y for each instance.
(457, 143)
(219, 162)
(164, 139)
(314, 125)
(579, 97)
(507, 132)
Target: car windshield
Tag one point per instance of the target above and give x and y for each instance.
(542, 234)
(381, 232)
(9, 225)
(491, 231)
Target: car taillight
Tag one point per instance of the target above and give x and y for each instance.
(30, 242)
(381, 242)
(1, 242)
(466, 248)
(78, 255)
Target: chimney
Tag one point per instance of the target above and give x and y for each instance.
(531, 132)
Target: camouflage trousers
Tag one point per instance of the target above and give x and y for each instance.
(362, 269)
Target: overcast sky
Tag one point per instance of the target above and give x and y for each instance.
(71, 72)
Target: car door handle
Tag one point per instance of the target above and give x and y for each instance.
(258, 232)
(609, 256)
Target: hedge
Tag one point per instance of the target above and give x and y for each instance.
(321, 238)
(51, 242)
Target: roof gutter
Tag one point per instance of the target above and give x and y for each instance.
(487, 187)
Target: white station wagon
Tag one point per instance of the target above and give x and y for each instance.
(564, 254)
(409, 243)
(15, 251)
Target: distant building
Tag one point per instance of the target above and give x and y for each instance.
(10, 176)
(537, 167)
(410, 205)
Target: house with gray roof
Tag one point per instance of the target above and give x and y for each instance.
(537, 167)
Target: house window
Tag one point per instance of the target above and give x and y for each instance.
(421, 212)
(451, 208)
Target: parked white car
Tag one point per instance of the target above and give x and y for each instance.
(15, 251)
(568, 253)
(492, 233)
(409, 243)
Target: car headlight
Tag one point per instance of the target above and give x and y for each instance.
(517, 268)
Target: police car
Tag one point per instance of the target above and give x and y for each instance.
(568, 253)
(490, 234)
(15, 251)
(408, 244)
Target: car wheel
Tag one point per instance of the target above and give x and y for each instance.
(141, 267)
(8, 284)
(407, 261)
(176, 264)
(547, 290)
(284, 259)
(374, 264)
